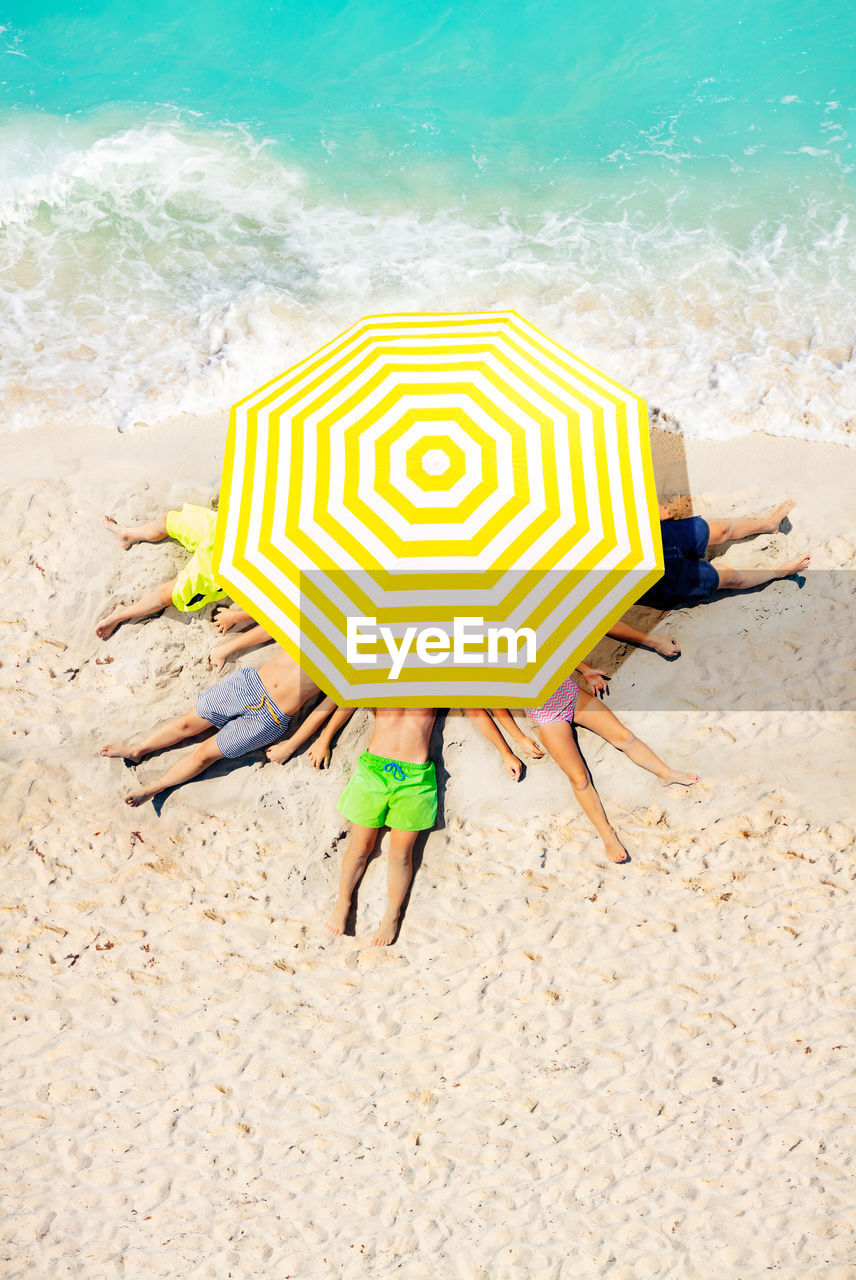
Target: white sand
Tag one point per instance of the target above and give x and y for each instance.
(562, 1068)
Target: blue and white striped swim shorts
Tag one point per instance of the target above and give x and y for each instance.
(243, 712)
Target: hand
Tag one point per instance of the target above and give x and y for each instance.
(319, 753)
(225, 619)
(596, 679)
(665, 513)
(217, 657)
(514, 766)
(532, 748)
(280, 753)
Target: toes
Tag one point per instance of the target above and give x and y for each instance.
(385, 935)
(619, 859)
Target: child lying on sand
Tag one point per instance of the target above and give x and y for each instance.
(194, 587)
(690, 578)
(248, 710)
(568, 706)
(394, 785)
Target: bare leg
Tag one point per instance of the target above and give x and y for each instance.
(733, 528)
(195, 762)
(527, 745)
(592, 714)
(151, 602)
(558, 738)
(353, 865)
(626, 634)
(166, 735)
(152, 531)
(399, 875)
(744, 579)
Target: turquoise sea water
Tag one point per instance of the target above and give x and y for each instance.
(194, 195)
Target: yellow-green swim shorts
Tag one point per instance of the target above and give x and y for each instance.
(196, 585)
(391, 793)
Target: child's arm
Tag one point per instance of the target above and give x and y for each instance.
(246, 640)
(320, 751)
(506, 720)
(319, 754)
(486, 727)
(664, 645)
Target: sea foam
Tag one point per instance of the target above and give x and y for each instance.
(171, 268)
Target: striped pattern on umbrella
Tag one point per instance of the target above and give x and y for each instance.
(425, 468)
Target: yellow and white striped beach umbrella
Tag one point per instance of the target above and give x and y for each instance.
(438, 510)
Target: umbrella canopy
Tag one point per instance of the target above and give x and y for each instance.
(438, 510)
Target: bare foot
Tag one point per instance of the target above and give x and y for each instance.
(107, 626)
(339, 918)
(279, 754)
(615, 850)
(140, 796)
(386, 931)
(683, 779)
(125, 537)
(121, 751)
(775, 517)
(797, 565)
(665, 646)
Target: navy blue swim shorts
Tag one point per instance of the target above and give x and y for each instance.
(688, 576)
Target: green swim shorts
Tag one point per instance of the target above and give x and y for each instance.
(390, 793)
(196, 585)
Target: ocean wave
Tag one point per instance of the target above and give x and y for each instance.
(167, 268)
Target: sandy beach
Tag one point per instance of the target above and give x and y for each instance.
(562, 1068)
